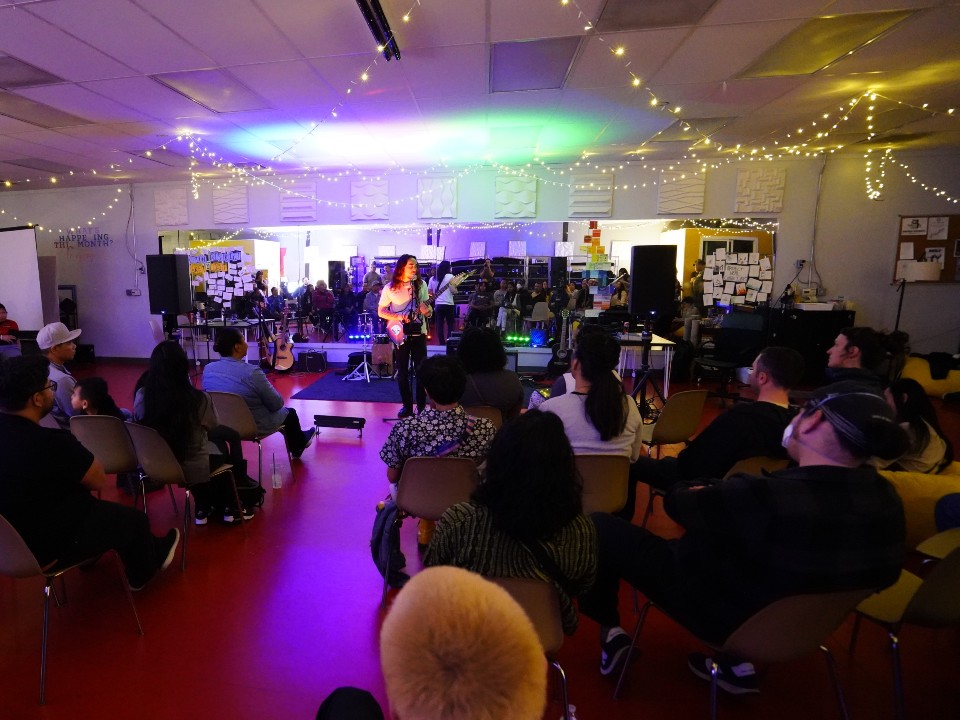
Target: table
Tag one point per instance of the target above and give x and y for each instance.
(631, 353)
(205, 332)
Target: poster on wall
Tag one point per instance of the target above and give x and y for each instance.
(225, 274)
(913, 226)
(937, 228)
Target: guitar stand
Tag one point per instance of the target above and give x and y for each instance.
(647, 408)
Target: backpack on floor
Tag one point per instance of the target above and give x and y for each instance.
(386, 552)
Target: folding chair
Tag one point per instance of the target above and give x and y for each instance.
(234, 412)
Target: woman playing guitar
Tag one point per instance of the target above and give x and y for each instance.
(404, 300)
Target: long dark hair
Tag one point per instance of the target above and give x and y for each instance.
(171, 405)
(94, 390)
(532, 487)
(442, 269)
(395, 279)
(481, 350)
(914, 408)
(598, 355)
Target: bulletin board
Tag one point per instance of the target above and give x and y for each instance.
(737, 279)
(930, 238)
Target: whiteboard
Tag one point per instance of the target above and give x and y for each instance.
(20, 277)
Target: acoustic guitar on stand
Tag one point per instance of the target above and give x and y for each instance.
(283, 360)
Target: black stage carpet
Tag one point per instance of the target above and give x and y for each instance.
(333, 387)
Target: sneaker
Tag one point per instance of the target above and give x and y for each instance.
(737, 678)
(613, 651)
(405, 413)
(169, 542)
(307, 440)
(202, 515)
(232, 516)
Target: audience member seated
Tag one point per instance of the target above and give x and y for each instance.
(166, 400)
(747, 429)
(488, 381)
(323, 305)
(536, 295)
(9, 330)
(865, 355)
(91, 396)
(750, 541)
(457, 647)
(275, 304)
(598, 416)
(59, 346)
(930, 450)
(526, 518)
(46, 481)
(481, 305)
(441, 429)
(231, 374)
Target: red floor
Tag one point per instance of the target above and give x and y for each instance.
(265, 626)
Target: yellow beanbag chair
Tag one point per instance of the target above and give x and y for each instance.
(918, 369)
(919, 493)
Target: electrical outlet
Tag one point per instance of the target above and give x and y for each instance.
(801, 263)
(133, 292)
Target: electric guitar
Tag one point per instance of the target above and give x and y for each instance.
(454, 281)
(283, 349)
(560, 362)
(395, 329)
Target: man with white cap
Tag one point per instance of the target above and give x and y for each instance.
(58, 345)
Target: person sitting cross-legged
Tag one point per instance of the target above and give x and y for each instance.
(46, 480)
(830, 524)
(231, 374)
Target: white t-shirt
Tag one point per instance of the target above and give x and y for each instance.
(446, 297)
(585, 438)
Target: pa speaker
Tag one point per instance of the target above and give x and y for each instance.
(653, 279)
(558, 271)
(168, 284)
(336, 275)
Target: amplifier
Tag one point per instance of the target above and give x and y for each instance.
(312, 361)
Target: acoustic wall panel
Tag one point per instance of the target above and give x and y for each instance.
(170, 206)
(515, 197)
(230, 205)
(298, 202)
(680, 193)
(369, 200)
(437, 198)
(591, 195)
(760, 190)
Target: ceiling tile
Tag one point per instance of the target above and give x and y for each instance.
(719, 52)
(149, 97)
(287, 84)
(132, 36)
(511, 20)
(30, 39)
(244, 35)
(437, 24)
(84, 102)
(644, 52)
(385, 81)
(727, 12)
(441, 71)
(321, 29)
(532, 64)
(217, 90)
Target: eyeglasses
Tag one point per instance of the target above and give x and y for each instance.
(52, 385)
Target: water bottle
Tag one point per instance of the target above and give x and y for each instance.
(275, 475)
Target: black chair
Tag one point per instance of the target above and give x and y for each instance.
(737, 344)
